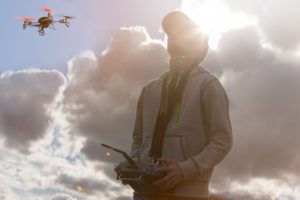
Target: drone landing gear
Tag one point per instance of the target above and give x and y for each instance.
(52, 26)
(41, 32)
(67, 24)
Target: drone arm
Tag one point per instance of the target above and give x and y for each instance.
(36, 24)
(53, 27)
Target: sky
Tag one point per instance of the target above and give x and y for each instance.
(63, 94)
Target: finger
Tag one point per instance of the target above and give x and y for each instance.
(168, 185)
(163, 181)
(163, 169)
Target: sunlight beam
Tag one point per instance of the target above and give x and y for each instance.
(215, 18)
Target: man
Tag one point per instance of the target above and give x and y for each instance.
(183, 117)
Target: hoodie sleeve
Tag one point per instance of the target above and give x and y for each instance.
(217, 124)
(137, 135)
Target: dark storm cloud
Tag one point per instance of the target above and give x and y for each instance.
(24, 99)
(278, 19)
(100, 97)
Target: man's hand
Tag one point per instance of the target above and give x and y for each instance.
(173, 175)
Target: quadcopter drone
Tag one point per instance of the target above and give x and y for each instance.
(45, 22)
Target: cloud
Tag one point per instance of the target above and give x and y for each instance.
(260, 188)
(61, 196)
(98, 95)
(259, 67)
(99, 103)
(36, 176)
(93, 186)
(123, 198)
(262, 85)
(277, 19)
(99, 100)
(7, 193)
(24, 99)
(85, 185)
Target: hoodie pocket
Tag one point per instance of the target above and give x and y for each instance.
(174, 148)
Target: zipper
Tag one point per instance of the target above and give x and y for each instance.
(182, 148)
(178, 114)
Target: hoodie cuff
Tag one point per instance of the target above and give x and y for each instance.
(188, 168)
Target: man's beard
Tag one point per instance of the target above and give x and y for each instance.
(181, 63)
(181, 58)
(177, 62)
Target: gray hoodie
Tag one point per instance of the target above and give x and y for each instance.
(197, 137)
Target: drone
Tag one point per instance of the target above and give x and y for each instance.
(45, 22)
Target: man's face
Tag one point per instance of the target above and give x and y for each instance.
(177, 44)
(183, 47)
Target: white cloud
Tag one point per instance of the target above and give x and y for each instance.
(99, 99)
(46, 172)
(263, 89)
(94, 86)
(61, 196)
(260, 188)
(24, 98)
(97, 104)
(278, 19)
(7, 194)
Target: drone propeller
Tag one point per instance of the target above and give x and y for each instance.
(25, 19)
(48, 10)
(67, 17)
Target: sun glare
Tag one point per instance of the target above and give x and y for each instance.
(215, 18)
